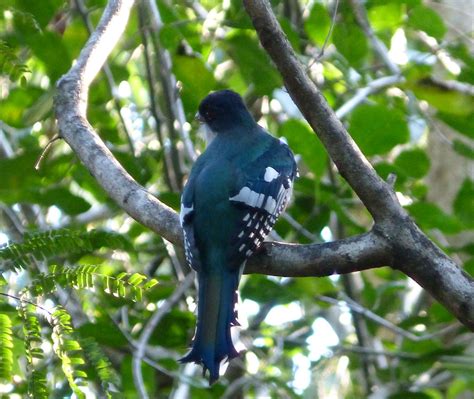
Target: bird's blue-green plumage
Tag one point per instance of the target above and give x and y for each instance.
(236, 190)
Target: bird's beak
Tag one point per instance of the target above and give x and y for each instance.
(199, 117)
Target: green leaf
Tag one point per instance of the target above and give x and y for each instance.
(414, 163)
(174, 329)
(6, 345)
(409, 395)
(104, 331)
(302, 140)
(317, 24)
(43, 11)
(426, 19)
(63, 199)
(351, 42)
(290, 32)
(253, 62)
(40, 109)
(263, 289)
(13, 107)
(385, 16)
(464, 203)
(377, 129)
(193, 90)
(443, 99)
(463, 149)
(49, 48)
(463, 124)
(430, 216)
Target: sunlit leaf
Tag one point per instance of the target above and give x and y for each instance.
(377, 129)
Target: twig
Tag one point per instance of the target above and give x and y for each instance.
(299, 228)
(395, 240)
(148, 330)
(45, 151)
(154, 106)
(378, 46)
(385, 323)
(175, 100)
(364, 92)
(410, 250)
(18, 299)
(392, 179)
(333, 23)
(453, 85)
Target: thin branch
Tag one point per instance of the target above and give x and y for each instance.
(394, 240)
(45, 151)
(148, 330)
(409, 249)
(333, 23)
(378, 46)
(353, 305)
(364, 92)
(299, 228)
(150, 78)
(70, 108)
(18, 299)
(176, 103)
(451, 85)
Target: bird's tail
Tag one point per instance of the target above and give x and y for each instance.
(212, 341)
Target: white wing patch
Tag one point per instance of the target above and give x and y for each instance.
(270, 174)
(255, 200)
(184, 212)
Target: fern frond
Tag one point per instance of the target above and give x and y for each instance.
(109, 379)
(124, 285)
(6, 345)
(58, 242)
(37, 386)
(68, 349)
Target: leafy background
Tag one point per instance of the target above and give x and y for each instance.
(79, 276)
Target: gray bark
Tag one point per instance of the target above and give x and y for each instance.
(394, 240)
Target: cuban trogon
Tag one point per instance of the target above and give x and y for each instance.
(235, 192)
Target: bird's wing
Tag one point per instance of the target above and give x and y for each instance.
(261, 193)
(186, 217)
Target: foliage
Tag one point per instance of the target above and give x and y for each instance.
(83, 272)
(6, 345)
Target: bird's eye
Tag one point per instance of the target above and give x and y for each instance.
(209, 115)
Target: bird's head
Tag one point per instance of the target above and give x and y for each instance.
(224, 110)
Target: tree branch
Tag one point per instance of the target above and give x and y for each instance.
(394, 240)
(377, 45)
(348, 255)
(148, 330)
(409, 249)
(70, 108)
(345, 256)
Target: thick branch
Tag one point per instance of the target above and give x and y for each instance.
(361, 252)
(70, 107)
(376, 195)
(394, 240)
(410, 250)
(344, 256)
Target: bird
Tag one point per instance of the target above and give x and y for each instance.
(234, 194)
